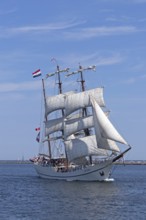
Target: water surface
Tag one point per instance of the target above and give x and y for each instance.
(25, 196)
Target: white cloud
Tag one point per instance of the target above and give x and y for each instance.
(6, 31)
(15, 87)
(126, 1)
(130, 81)
(93, 58)
(135, 79)
(91, 32)
(7, 12)
(139, 1)
(143, 76)
(103, 61)
(74, 33)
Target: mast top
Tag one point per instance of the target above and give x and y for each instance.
(81, 69)
(57, 72)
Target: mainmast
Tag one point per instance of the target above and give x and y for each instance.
(81, 76)
(82, 81)
(80, 70)
(59, 80)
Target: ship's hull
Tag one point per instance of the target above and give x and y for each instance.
(97, 172)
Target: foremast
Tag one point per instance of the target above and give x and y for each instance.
(57, 72)
(44, 94)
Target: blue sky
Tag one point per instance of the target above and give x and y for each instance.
(108, 33)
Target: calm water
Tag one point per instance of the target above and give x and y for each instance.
(24, 196)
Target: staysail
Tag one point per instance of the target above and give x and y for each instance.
(103, 127)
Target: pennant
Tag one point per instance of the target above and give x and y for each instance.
(38, 137)
(53, 59)
(36, 73)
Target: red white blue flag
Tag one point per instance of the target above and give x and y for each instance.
(36, 73)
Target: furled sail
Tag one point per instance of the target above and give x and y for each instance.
(86, 146)
(103, 127)
(57, 102)
(80, 100)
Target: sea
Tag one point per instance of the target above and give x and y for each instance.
(25, 196)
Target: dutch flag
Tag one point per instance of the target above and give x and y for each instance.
(36, 73)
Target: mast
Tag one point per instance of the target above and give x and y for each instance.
(80, 70)
(58, 71)
(84, 110)
(82, 81)
(49, 145)
(59, 80)
(59, 85)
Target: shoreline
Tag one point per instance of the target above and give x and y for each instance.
(131, 162)
(15, 162)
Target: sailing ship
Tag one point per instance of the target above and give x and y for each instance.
(87, 136)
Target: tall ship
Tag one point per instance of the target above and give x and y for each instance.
(76, 126)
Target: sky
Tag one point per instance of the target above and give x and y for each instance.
(107, 33)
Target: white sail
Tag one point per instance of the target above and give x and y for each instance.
(113, 146)
(57, 102)
(103, 127)
(53, 125)
(80, 100)
(58, 124)
(107, 144)
(87, 146)
(73, 124)
(76, 125)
